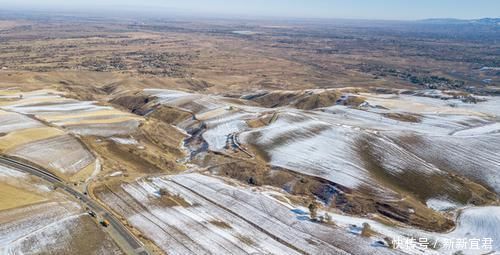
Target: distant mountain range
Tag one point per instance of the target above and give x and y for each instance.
(483, 21)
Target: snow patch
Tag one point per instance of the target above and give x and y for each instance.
(127, 141)
(438, 204)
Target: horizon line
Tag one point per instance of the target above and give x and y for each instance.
(139, 13)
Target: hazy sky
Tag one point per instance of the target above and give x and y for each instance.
(364, 9)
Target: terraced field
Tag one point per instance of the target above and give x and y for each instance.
(79, 117)
(197, 214)
(40, 126)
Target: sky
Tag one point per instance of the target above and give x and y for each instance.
(355, 9)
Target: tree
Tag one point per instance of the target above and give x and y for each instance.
(163, 192)
(367, 230)
(313, 210)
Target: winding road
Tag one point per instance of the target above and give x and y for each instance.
(126, 240)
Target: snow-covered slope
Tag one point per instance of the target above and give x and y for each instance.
(389, 137)
(212, 216)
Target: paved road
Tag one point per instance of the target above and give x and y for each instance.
(132, 245)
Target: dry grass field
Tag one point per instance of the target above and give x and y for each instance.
(13, 197)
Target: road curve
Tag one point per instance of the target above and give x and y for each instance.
(132, 245)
